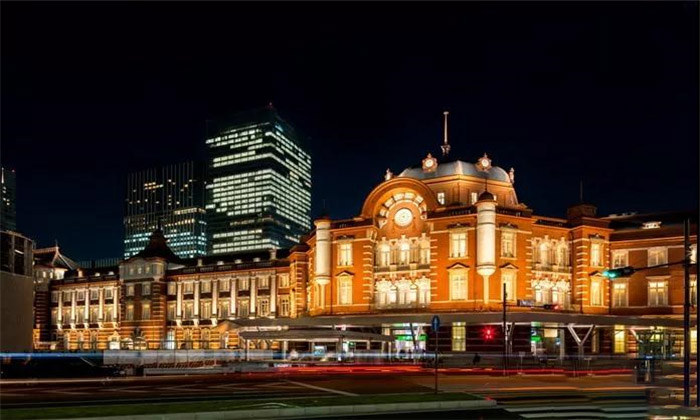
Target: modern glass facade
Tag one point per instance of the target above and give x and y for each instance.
(259, 184)
(8, 189)
(173, 195)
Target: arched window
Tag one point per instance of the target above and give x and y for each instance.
(224, 340)
(384, 255)
(424, 291)
(206, 336)
(562, 255)
(170, 343)
(404, 253)
(425, 251)
(544, 254)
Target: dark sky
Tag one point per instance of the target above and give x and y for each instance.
(603, 92)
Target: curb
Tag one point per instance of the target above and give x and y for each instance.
(306, 412)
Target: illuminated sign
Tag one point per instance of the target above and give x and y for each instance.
(408, 337)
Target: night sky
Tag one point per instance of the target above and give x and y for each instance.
(599, 92)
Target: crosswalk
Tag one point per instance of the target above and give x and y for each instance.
(576, 405)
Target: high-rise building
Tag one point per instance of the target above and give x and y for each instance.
(8, 218)
(172, 196)
(16, 292)
(259, 184)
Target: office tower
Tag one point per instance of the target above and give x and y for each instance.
(259, 183)
(16, 292)
(171, 197)
(8, 218)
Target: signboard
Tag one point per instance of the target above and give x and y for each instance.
(408, 337)
(526, 302)
(435, 323)
(535, 339)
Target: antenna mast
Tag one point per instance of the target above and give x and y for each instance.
(445, 145)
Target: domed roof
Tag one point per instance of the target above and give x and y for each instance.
(486, 196)
(456, 167)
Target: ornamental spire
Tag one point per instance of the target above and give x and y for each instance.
(445, 145)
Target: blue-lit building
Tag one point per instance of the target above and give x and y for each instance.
(173, 196)
(259, 183)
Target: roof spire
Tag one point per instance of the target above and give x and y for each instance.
(445, 145)
(580, 191)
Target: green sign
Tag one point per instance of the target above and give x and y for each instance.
(409, 337)
(535, 339)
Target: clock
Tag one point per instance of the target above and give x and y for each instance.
(403, 217)
(429, 163)
(484, 163)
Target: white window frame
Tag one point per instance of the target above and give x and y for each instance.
(459, 336)
(441, 198)
(205, 286)
(659, 284)
(172, 289)
(508, 236)
(458, 285)
(344, 253)
(344, 290)
(285, 305)
(284, 280)
(145, 289)
(621, 255)
(510, 278)
(596, 297)
(130, 290)
(109, 293)
(224, 285)
(459, 244)
(620, 293)
(657, 256)
(596, 254)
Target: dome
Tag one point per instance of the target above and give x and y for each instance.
(486, 196)
(456, 167)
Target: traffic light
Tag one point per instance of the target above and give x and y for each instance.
(488, 333)
(551, 307)
(613, 273)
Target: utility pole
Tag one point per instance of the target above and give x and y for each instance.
(505, 334)
(686, 314)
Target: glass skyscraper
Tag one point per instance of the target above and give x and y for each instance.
(174, 196)
(259, 184)
(8, 217)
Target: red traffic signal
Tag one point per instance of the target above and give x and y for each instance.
(488, 333)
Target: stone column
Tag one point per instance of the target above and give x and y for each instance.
(100, 309)
(196, 299)
(253, 296)
(215, 298)
(73, 305)
(178, 307)
(273, 295)
(60, 308)
(234, 295)
(87, 306)
(115, 303)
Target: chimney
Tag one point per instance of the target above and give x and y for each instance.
(273, 253)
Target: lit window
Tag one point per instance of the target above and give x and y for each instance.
(145, 311)
(172, 288)
(459, 335)
(658, 293)
(619, 293)
(206, 309)
(657, 256)
(109, 293)
(224, 285)
(345, 290)
(145, 289)
(223, 308)
(620, 339)
(344, 254)
(81, 296)
(544, 257)
(284, 306)
(189, 310)
(474, 197)
(284, 280)
(264, 307)
(384, 255)
(129, 312)
(243, 285)
(619, 258)
(130, 290)
(693, 254)
(693, 290)
(206, 287)
(425, 252)
(458, 286)
(508, 244)
(508, 279)
(562, 255)
(243, 309)
(441, 197)
(189, 288)
(458, 244)
(596, 292)
(171, 310)
(404, 253)
(596, 260)
(108, 314)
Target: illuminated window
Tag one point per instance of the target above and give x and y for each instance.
(130, 290)
(441, 197)
(384, 255)
(694, 340)
(404, 253)
(206, 309)
(188, 288)
(657, 256)
(171, 311)
(458, 244)
(130, 312)
(620, 298)
(145, 311)
(284, 280)
(223, 308)
(458, 286)
(145, 289)
(243, 309)
(81, 296)
(620, 339)
(474, 197)
(459, 335)
(224, 285)
(284, 306)
(108, 314)
(425, 251)
(544, 257)
(596, 260)
(693, 254)
(172, 288)
(562, 255)
(189, 310)
(109, 293)
(345, 254)
(693, 290)
(658, 293)
(243, 285)
(81, 315)
(206, 286)
(619, 258)
(508, 278)
(264, 307)
(508, 244)
(596, 292)
(345, 290)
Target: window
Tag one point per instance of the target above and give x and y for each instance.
(54, 316)
(596, 260)
(425, 252)
(508, 244)
(344, 254)
(206, 309)
(620, 339)
(129, 312)
(65, 315)
(596, 292)
(145, 311)
(693, 290)
(459, 334)
(66, 296)
(264, 307)
(441, 197)
(458, 244)
(223, 308)
(657, 293)
(81, 296)
(54, 297)
(263, 282)
(243, 309)
(345, 290)
(284, 280)
(189, 288)
(108, 293)
(474, 197)
(94, 313)
(108, 314)
(657, 256)
(458, 286)
(508, 278)
(284, 306)
(619, 258)
(619, 293)
(224, 285)
(404, 253)
(384, 255)
(562, 255)
(94, 294)
(130, 290)
(145, 289)
(189, 310)
(693, 254)
(171, 310)
(243, 285)
(172, 288)
(206, 287)
(82, 315)
(544, 254)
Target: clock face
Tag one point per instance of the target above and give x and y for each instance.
(403, 217)
(429, 163)
(485, 163)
